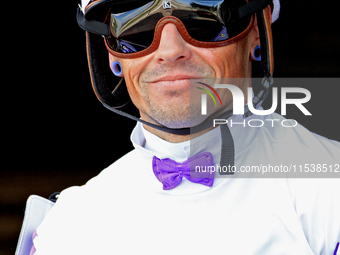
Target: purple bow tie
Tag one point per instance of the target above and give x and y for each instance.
(170, 173)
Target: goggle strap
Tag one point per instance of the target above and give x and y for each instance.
(92, 26)
(267, 60)
(252, 7)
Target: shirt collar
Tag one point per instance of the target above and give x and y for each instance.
(151, 145)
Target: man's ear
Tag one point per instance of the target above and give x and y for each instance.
(115, 66)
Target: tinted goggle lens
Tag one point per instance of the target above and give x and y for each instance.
(134, 31)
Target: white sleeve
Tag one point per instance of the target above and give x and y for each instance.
(54, 230)
(317, 204)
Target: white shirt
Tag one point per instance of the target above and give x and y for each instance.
(124, 210)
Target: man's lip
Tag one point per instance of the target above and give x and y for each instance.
(174, 78)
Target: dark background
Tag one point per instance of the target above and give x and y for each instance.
(55, 134)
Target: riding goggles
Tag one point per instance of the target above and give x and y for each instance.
(201, 23)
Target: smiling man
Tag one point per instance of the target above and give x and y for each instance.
(150, 201)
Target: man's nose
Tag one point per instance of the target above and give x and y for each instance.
(172, 47)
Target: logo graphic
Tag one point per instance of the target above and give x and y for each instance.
(204, 97)
(166, 4)
(238, 99)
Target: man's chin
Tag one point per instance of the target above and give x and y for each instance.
(178, 123)
(173, 122)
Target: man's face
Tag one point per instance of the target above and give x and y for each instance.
(159, 83)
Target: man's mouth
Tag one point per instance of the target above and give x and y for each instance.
(174, 78)
(177, 80)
